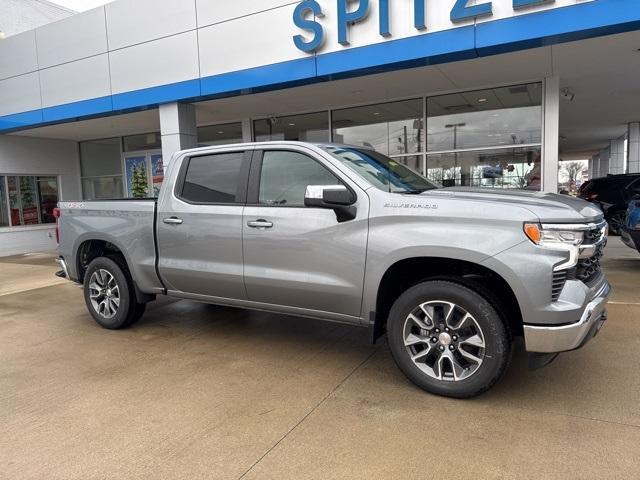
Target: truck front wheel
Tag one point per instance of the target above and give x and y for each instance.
(448, 339)
(110, 295)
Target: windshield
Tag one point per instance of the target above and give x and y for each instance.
(380, 171)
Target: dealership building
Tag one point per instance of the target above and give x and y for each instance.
(474, 93)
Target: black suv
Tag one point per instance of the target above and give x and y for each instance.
(612, 193)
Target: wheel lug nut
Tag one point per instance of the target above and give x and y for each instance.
(446, 329)
(451, 347)
(454, 338)
(434, 339)
(442, 348)
(437, 330)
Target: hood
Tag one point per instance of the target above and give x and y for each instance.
(548, 207)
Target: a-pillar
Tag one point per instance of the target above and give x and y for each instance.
(177, 128)
(551, 135)
(633, 150)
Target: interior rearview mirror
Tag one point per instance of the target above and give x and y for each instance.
(335, 197)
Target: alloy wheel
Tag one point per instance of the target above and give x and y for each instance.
(444, 340)
(104, 293)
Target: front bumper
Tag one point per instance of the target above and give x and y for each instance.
(562, 338)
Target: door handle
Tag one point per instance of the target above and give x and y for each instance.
(260, 223)
(172, 221)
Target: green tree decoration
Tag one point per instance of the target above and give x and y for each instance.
(139, 182)
(27, 193)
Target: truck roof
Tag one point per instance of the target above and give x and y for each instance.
(272, 143)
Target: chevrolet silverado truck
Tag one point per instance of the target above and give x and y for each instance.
(346, 234)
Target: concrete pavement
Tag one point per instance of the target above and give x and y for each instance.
(197, 391)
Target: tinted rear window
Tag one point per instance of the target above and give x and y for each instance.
(213, 178)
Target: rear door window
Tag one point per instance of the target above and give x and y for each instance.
(219, 178)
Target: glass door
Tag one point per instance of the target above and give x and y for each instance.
(144, 173)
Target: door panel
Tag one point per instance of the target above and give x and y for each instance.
(306, 259)
(298, 256)
(200, 243)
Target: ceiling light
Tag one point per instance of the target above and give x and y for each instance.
(220, 132)
(482, 100)
(376, 113)
(292, 124)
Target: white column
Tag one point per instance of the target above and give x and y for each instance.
(616, 158)
(178, 128)
(633, 162)
(551, 134)
(247, 130)
(603, 170)
(593, 166)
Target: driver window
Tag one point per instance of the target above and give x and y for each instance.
(285, 176)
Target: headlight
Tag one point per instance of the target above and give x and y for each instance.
(553, 238)
(557, 237)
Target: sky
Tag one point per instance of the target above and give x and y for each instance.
(80, 5)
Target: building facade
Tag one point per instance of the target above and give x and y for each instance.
(486, 94)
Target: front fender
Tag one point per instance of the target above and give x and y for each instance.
(397, 234)
(378, 265)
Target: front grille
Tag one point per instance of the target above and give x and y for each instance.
(589, 270)
(593, 236)
(559, 279)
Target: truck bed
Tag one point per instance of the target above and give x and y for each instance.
(128, 224)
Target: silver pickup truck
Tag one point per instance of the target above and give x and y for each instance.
(345, 234)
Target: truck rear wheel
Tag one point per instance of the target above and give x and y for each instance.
(110, 295)
(448, 339)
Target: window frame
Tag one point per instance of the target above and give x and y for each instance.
(255, 177)
(241, 187)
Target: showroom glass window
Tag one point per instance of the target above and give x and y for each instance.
(101, 168)
(224, 134)
(140, 142)
(309, 127)
(486, 138)
(4, 205)
(27, 199)
(394, 129)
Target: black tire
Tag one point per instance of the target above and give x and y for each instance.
(495, 354)
(128, 311)
(616, 222)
